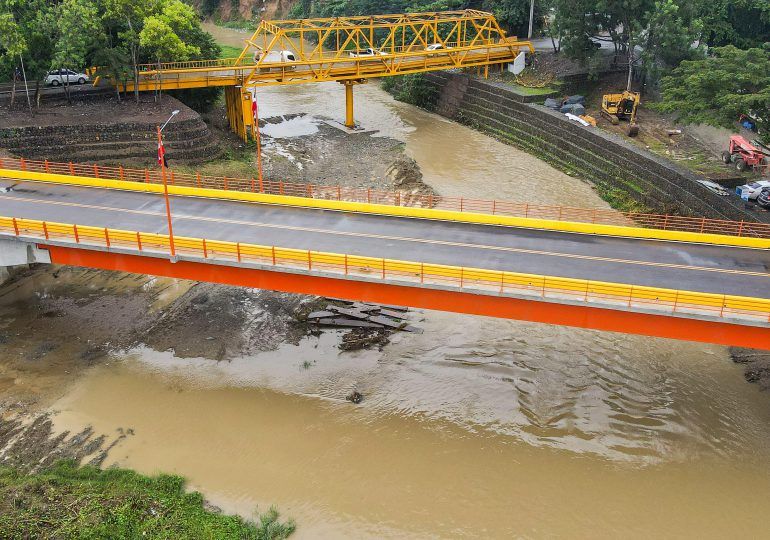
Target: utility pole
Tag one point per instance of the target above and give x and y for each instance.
(531, 17)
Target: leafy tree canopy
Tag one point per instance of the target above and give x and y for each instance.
(718, 89)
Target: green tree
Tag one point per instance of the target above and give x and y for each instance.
(12, 46)
(74, 25)
(718, 89)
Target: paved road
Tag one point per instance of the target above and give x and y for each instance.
(654, 263)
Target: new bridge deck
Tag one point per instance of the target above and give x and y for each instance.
(673, 265)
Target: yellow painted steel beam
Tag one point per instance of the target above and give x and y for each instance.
(470, 39)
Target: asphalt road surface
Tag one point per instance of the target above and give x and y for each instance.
(674, 265)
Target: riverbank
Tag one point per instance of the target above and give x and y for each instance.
(66, 500)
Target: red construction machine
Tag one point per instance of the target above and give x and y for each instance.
(745, 155)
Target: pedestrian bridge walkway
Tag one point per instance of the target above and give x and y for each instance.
(683, 278)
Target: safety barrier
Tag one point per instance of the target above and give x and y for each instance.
(395, 198)
(479, 281)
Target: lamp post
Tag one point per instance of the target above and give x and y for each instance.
(162, 160)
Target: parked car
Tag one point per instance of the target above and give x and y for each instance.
(713, 186)
(763, 199)
(436, 47)
(63, 76)
(751, 190)
(367, 52)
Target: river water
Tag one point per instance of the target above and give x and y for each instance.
(476, 428)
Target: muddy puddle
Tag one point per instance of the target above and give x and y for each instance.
(476, 428)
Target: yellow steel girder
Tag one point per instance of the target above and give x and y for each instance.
(318, 50)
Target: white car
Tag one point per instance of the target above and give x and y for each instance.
(436, 47)
(367, 52)
(713, 186)
(752, 190)
(63, 76)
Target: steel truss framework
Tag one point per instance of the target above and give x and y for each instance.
(327, 49)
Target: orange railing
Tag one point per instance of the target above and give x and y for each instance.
(479, 281)
(396, 198)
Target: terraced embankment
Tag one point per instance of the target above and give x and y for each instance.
(99, 130)
(625, 175)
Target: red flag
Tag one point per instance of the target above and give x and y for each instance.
(161, 154)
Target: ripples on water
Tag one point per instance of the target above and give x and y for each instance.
(624, 398)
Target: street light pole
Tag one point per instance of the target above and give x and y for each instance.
(162, 159)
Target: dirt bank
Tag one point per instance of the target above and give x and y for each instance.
(100, 129)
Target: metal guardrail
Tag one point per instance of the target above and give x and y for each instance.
(395, 198)
(473, 280)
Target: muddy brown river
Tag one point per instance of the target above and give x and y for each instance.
(476, 428)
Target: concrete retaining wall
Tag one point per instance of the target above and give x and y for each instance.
(618, 168)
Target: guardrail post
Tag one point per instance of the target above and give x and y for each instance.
(172, 178)
(47, 167)
(147, 176)
(339, 192)
(740, 228)
(280, 187)
(122, 175)
(702, 224)
(461, 274)
(224, 183)
(494, 206)
(205, 251)
(106, 237)
(139, 241)
(72, 169)
(676, 301)
(309, 261)
(422, 272)
(75, 232)
(198, 179)
(15, 227)
(273, 255)
(368, 195)
(502, 282)
(630, 295)
(23, 164)
(526, 209)
(383, 268)
(238, 250)
(253, 185)
(45, 230)
(461, 204)
(346, 265)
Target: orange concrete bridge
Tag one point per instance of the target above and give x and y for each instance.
(684, 278)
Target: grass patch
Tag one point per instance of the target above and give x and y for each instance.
(68, 501)
(527, 91)
(228, 51)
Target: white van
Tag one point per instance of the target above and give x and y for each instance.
(275, 57)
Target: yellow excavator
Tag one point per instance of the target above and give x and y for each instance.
(622, 106)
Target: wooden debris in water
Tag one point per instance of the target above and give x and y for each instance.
(363, 315)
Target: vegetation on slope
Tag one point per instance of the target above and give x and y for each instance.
(67, 501)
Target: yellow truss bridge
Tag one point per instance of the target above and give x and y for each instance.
(348, 50)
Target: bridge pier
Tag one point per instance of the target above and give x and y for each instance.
(349, 119)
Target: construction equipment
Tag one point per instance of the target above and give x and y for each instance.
(745, 155)
(622, 106)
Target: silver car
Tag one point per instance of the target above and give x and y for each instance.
(58, 77)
